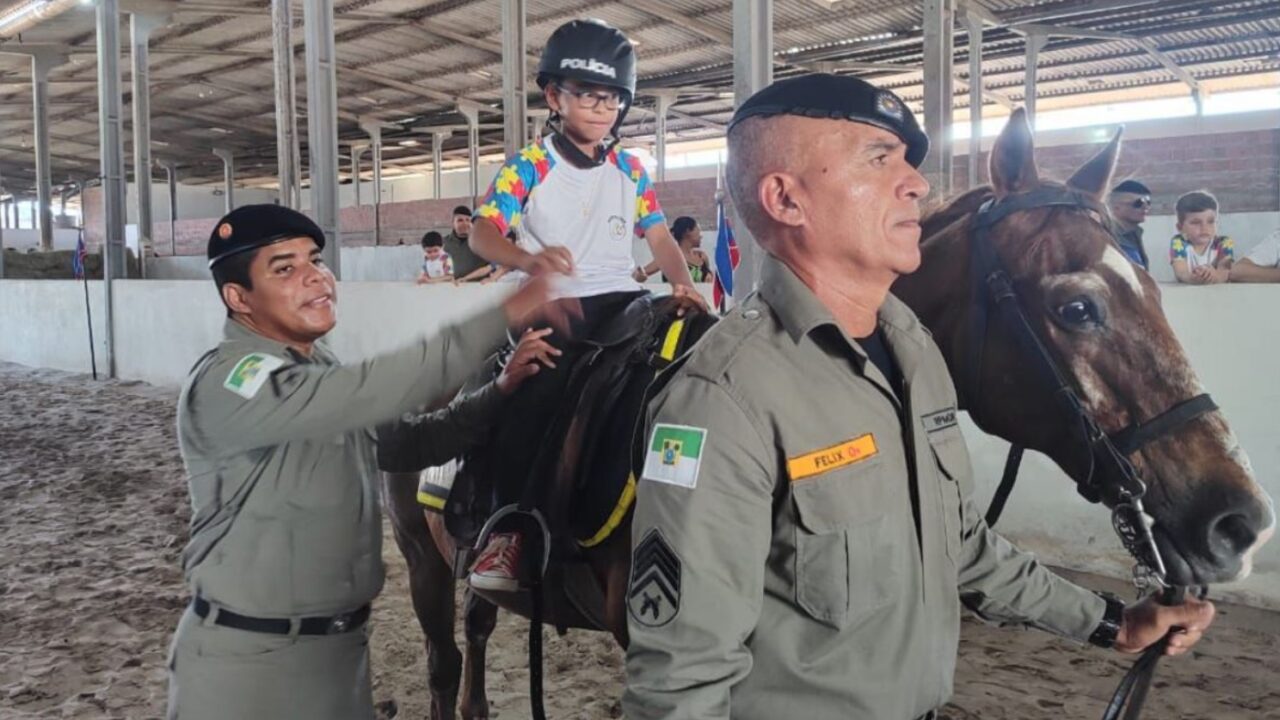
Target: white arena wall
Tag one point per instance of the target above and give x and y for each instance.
(164, 326)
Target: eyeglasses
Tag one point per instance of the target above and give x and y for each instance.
(590, 99)
(1141, 203)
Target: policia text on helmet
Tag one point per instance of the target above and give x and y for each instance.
(588, 76)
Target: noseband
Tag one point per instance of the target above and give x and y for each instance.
(1118, 482)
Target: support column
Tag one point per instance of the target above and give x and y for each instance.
(322, 124)
(974, 28)
(665, 101)
(111, 154)
(1035, 43)
(937, 100)
(171, 175)
(948, 149)
(472, 114)
(228, 177)
(374, 131)
(288, 161)
(357, 150)
(752, 71)
(140, 28)
(437, 161)
(2, 224)
(41, 64)
(515, 76)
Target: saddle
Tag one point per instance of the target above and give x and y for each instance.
(582, 479)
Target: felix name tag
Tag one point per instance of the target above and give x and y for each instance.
(844, 454)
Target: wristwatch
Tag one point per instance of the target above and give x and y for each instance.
(1108, 629)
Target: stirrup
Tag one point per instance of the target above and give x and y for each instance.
(503, 513)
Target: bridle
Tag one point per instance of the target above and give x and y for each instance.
(1119, 482)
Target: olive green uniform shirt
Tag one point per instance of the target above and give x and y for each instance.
(818, 559)
(281, 463)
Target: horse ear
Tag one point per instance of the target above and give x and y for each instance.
(1013, 157)
(1094, 177)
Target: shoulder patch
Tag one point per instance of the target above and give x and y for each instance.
(674, 455)
(653, 598)
(251, 373)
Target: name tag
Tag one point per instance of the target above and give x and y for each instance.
(849, 452)
(940, 420)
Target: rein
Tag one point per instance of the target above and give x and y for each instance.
(1119, 482)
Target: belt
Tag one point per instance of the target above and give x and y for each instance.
(333, 625)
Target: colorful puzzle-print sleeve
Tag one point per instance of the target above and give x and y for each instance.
(648, 211)
(1177, 248)
(1227, 249)
(511, 187)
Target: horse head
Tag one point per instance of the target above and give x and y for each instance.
(1099, 318)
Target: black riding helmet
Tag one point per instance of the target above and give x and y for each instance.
(594, 52)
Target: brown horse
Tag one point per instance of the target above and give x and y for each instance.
(1100, 317)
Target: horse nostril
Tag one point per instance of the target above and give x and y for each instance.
(1231, 534)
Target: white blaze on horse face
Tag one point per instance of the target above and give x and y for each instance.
(1114, 260)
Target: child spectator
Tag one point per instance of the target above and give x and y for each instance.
(1198, 254)
(437, 266)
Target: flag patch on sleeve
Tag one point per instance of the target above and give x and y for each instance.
(674, 454)
(251, 373)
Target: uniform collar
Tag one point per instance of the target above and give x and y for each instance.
(800, 311)
(236, 332)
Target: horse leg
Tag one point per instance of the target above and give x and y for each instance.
(431, 588)
(479, 619)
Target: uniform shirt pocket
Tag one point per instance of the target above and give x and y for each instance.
(843, 563)
(955, 482)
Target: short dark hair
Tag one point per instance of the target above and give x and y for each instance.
(432, 239)
(234, 269)
(1194, 202)
(682, 225)
(462, 210)
(1131, 186)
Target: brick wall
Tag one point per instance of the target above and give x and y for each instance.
(1238, 167)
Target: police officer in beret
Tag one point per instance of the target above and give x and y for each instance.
(286, 538)
(803, 533)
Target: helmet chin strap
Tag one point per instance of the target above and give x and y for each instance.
(571, 151)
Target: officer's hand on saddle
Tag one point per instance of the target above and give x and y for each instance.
(531, 354)
(687, 298)
(1147, 621)
(554, 259)
(531, 306)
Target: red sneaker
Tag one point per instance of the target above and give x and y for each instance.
(496, 568)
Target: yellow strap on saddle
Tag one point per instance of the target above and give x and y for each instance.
(615, 517)
(672, 341)
(670, 344)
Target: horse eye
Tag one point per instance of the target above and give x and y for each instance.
(1078, 312)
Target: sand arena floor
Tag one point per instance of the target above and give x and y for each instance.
(93, 514)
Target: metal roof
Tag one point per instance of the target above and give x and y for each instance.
(212, 73)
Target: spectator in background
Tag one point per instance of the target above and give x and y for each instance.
(1198, 254)
(437, 266)
(689, 236)
(1130, 201)
(467, 266)
(1263, 263)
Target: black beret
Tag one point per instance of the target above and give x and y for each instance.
(1131, 186)
(252, 226)
(838, 97)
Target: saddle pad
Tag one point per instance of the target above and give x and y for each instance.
(606, 486)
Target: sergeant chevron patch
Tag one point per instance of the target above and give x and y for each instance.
(654, 596)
